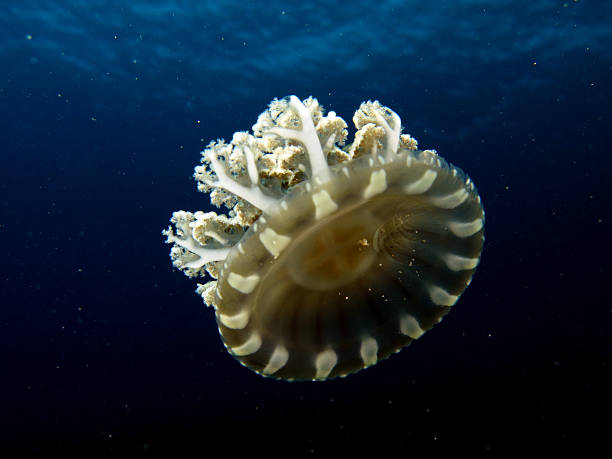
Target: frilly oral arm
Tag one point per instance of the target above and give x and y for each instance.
(184, 239)
(206, 255)
(307, 136)
(375, 113)
(392, 134)
(253, 193)
(207, 292)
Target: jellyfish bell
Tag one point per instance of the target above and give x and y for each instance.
(349, 253)
(353, 276)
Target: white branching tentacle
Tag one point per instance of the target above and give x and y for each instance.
(251, 166)
(392, 135)
(252, 194)
(188, 243)
(214, 235)
(307, 136)
(331, 141)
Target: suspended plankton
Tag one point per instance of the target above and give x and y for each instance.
(331, 256)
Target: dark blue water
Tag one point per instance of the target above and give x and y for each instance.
(104, 107)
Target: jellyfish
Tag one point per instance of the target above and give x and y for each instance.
(331, 256)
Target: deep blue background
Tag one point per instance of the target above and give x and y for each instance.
(104, 106)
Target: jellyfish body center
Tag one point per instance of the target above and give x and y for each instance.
(334, 252)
